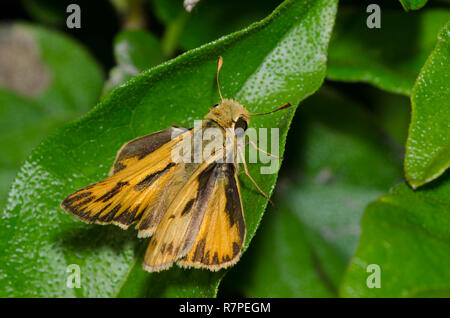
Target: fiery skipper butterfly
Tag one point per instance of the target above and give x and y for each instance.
(192, 210)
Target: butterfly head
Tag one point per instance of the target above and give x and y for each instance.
(228, 113)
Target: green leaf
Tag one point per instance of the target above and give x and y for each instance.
(134, 51)
(389, 58)
(428, 145)
(407, 234)
(40, 240)
(344, 164)
(48, 79)
(413, 4)
(46, 11)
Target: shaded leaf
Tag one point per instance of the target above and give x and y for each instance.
(46, 11)
(134, 52)
(173, 15)
(207, 21)
(47, 79)
(392, 113)
(175, 93)
(389, 58)
(99, 22)
(283, 263)
(203, 24)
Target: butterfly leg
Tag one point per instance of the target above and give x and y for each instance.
(263, 151)
(253, 180)
(259, 149)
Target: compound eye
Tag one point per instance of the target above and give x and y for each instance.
(240, 126)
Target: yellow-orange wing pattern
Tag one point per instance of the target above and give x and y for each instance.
(140, 178)
(222, 232)
(177, 231)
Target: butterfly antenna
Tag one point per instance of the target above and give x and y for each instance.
(219, 66)
(286, 105)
